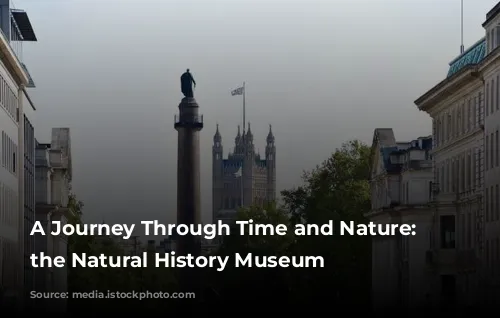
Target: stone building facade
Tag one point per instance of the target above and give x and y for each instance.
(17, 118)
(401, 190)
(464, 108)
(53, 171)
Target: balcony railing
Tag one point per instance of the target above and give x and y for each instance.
(451, 260)
(16, 53)
(190, 121)
(418, 164)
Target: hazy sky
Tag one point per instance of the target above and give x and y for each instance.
(321, 72)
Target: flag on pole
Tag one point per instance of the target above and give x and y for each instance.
(238, 173)
(238, 91)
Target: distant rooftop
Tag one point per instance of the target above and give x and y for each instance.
(422, 143)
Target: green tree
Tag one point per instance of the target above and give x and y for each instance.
(84, 279)
(337, 190)
(238, 283)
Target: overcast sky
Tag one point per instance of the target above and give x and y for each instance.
(321, 72)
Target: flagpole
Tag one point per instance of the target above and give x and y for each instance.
(244, 143)
(244, 119)
(462, 27)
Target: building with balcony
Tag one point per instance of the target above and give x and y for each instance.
(16, 153)
(401, 188)
(53, 183)
(464, 108)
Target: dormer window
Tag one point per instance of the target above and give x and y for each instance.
(395, 159)
(491, 26)
(496, 36)
(491, 43)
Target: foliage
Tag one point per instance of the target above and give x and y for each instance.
(336, 190)
(234, 284)
(85, 279)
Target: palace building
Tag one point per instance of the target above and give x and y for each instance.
(244, 178)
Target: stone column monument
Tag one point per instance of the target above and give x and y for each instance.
(188, 124)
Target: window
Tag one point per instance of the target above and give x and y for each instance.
(462, 173)
(487, 204)
(438, 132)
(497, 205)
(492, 100)
(447, 231)
(462, 229)
(469, 230)
(474, 180)
(441, 180)
(454, 175)
(468, 172)
(490, 41)
(498, 249)
(448, 128)
(8, 151)
(430, 190)
(497, 150)
(404, 193)
(487, 148)
(497, 36)
(407, 192)
(480, 105)
(469, 115)
(492, 151)
(492, 203)
(497, 99)
(448, 176)
(474, 111)
(464, 119)
(456, 120)
(458, 126)
(487, 102)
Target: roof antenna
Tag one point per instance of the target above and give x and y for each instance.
(462, 27)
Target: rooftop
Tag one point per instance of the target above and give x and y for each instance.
(492, 14)
(472, 56)
(422, 143)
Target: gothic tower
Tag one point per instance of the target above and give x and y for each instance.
(243, 179)
(217, 165)
(271, 166)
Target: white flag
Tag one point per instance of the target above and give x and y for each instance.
(238, 173)
(238, 91)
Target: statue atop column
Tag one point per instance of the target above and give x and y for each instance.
(187, 82)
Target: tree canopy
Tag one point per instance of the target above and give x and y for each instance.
(336, 190)
(84, 279)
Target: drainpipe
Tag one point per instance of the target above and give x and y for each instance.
(20, 178)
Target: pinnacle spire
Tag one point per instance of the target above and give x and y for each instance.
(217, 136)
(270, 136)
